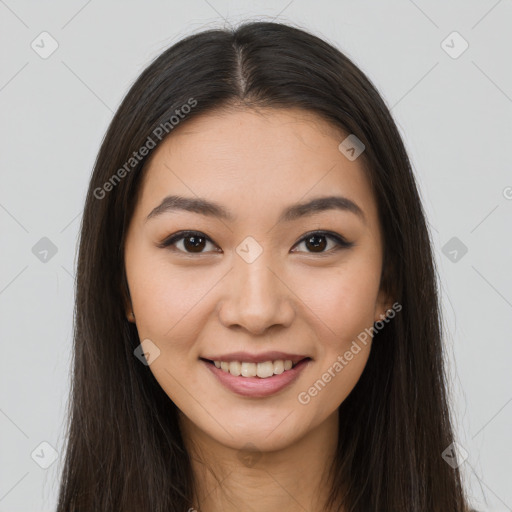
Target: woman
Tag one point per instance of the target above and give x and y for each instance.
(257, 323)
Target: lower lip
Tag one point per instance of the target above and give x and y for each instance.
(255, 386)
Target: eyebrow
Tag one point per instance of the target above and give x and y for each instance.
(295, 211)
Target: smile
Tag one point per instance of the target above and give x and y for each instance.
(257, 380)
(262, 370)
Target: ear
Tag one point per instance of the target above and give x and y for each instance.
(385, 298)
(382, 305)
(127, 302)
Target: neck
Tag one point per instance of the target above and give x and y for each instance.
(293, 478)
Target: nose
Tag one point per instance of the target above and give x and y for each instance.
(256, 298)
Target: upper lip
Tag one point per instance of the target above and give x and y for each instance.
(257, 358)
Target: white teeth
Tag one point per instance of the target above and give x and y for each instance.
(235, 368)
(262, 370)
(278, 367)
(248, 369)
(265, 369)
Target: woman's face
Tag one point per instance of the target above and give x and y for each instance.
(252, 284)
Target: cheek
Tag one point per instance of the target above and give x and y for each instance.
(342, 300)
(169, 307)
(340, 311)
(165, 297)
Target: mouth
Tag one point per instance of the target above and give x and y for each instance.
(257, 380)
(261, 370)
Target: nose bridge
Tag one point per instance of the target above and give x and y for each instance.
(256, 298)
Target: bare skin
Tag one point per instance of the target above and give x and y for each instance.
(269, 453)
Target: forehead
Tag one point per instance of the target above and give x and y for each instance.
(255, 161)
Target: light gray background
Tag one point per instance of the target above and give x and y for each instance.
(454, 115)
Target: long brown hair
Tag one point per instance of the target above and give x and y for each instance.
(124, 447)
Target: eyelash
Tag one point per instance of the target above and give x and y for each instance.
(176, 237)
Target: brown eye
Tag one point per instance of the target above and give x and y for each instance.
(194, 243)
(317, 242)
(191, 242)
